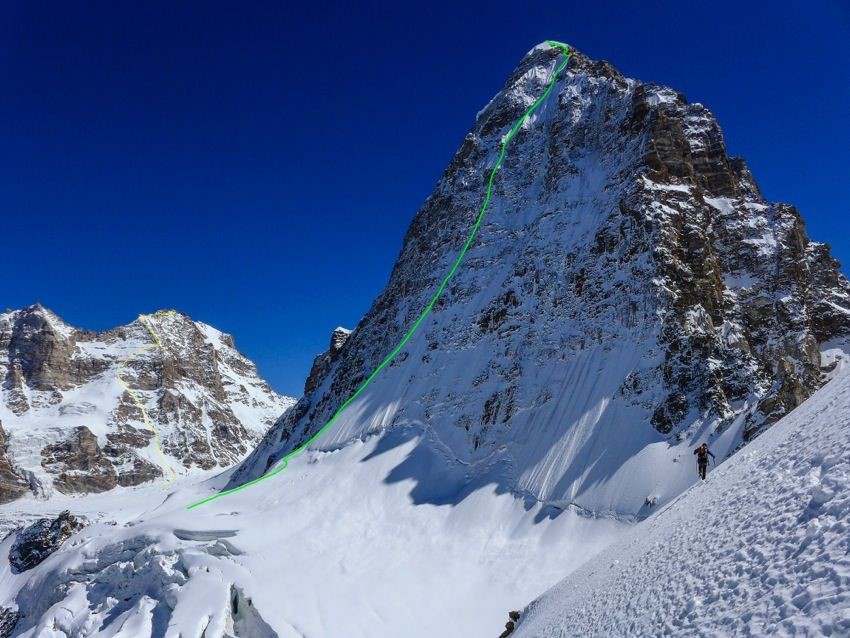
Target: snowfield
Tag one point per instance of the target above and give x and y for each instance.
(761, 548)
(349, 543)
(333, 546)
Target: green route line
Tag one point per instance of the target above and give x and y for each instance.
(284, 462)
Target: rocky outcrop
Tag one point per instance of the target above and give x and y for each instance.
(244, 618)
(510, 626)
(323, 362)
(35, 543)
(121, 450)
(12, 485)
(40, 352)
(79, 464)
(8, 621)
(63, 401)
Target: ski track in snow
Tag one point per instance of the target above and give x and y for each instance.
(761, 548)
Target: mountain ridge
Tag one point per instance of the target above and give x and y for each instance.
(67, 422)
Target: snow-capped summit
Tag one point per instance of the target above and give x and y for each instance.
(628, 293)
(69, 422)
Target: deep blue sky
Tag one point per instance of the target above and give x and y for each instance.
(256, 164)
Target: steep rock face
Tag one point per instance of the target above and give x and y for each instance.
(12, 485)
(629, 292)
(322, 363)
(71, 425)
(80, 463)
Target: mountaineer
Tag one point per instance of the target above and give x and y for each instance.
(703, 453)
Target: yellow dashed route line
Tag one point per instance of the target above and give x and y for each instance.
(156, 344)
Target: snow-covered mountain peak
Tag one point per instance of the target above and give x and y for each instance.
(70, 420)
(628, 293)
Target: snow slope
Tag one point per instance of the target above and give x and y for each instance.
(761, 548)
(335, 547)
(629, 294)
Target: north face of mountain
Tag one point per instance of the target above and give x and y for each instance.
(630, 292)
(68, 423)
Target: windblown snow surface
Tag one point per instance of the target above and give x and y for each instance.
(333, 546)
(761, 548)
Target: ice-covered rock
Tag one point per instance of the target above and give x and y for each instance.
(38, 541)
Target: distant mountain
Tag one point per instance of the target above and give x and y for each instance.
(629, 292)
(68, 424)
